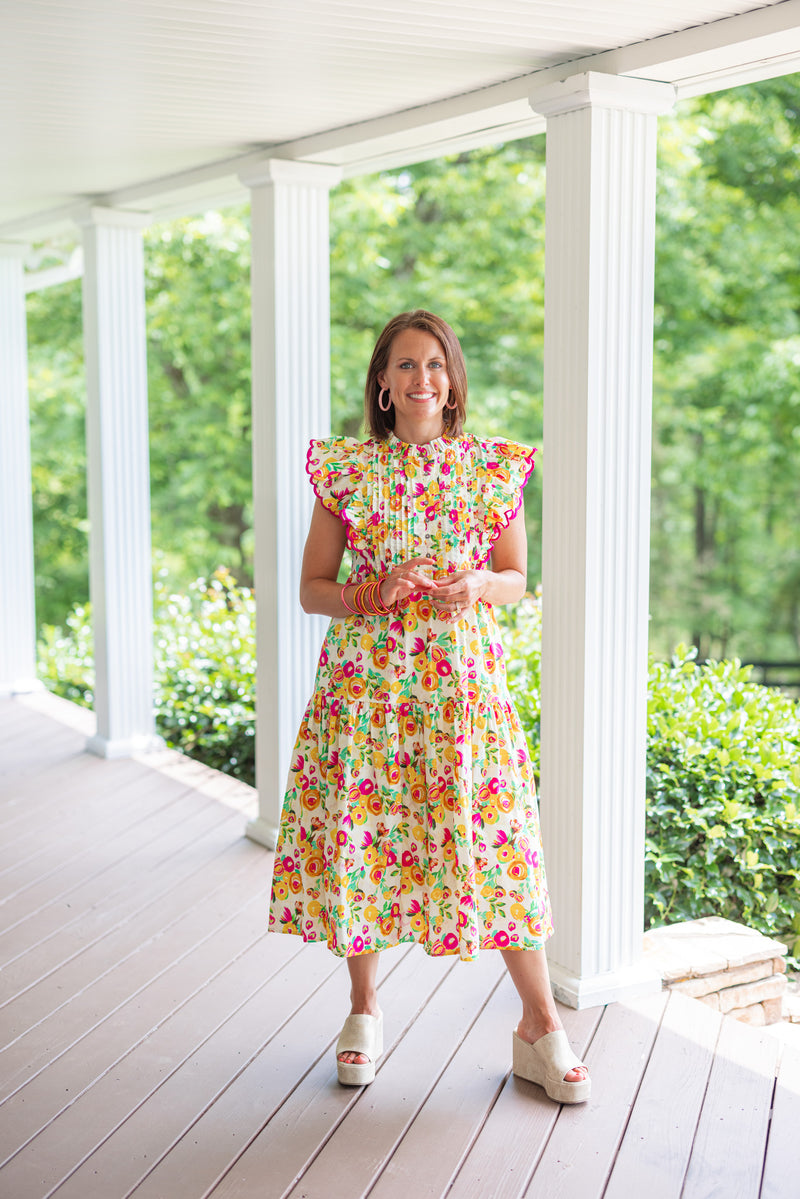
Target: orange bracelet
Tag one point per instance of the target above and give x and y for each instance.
(367, 599)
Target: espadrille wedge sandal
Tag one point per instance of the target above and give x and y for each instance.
(546, 1062)
(360, 1034)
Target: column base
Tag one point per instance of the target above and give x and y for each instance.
(20, 687)
(610, 987)
(262, 832)
(124, 747)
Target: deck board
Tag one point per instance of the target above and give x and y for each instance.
(735, 1116)
(112, 873)
(454, 1111)
(353, 1158)
(56, 1090)
(780, 1166)
(655, 1150)
(158, 1043)
(581, 1149)
(69, 1003)
(199, 1052)
(314, 1105)
(515, 1131)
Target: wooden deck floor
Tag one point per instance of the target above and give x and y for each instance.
(157, 1044)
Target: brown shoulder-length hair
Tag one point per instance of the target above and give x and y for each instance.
(380, 424)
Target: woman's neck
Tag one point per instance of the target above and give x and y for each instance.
(419, 433)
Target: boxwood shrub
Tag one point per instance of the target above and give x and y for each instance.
(723, 753)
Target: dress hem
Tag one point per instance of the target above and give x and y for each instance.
(410, 939)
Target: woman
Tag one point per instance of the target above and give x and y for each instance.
(411, 810)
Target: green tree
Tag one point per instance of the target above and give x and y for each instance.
(58, 453)
(726, 501)
(464, 236)
(198, 349)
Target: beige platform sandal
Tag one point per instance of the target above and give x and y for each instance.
(546, 1062)
(360, 1034)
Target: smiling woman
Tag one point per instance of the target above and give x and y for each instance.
(418, 361)
(411, 809)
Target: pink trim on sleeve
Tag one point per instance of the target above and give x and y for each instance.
(327, 501)
(509, 515)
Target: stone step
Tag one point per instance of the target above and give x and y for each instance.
(730, 967)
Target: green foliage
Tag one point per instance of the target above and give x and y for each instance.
(521, 628)
(464, 235)
(725, 559)
(723, 754)
(723, 792)
(204, 670)
(198, 352)
(205, 673)
(723, 785)
(66, 657)
(58, 453)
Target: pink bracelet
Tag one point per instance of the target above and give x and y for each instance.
(344, 601)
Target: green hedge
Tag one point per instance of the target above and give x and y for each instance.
(723, 785)
(205, 665)
(723, 797)
(723, 754)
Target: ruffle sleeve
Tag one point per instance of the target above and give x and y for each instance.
(335, 469)
(504, 469)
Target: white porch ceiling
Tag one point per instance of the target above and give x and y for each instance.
(154, 105)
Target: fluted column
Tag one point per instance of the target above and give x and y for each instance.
(120, 564)
(18, 623)
(600, 220)
(291, 403)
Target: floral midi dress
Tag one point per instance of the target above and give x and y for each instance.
(411, 809)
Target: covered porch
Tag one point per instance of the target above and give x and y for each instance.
(159, 1044)
(596, 83)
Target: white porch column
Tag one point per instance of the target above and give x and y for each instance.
(600, 221)
(291, 403)
(120, 566)
(18, 623)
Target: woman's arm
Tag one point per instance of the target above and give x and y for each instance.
(322, 557)
(507, 580)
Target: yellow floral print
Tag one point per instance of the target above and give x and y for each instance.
(411, 811)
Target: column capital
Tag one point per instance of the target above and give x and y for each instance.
(116, 218)
(288, 170)
(593, 89)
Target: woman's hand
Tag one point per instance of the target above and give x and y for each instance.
(458, 592)
(407, 578)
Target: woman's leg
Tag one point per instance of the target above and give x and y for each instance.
(363, 994)
(529, 973)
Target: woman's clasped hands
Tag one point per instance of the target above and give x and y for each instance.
(451, 595)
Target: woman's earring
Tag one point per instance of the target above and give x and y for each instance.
(452, 407)
(384, 407)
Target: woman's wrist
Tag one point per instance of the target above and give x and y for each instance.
(343, 594)
(502, 587)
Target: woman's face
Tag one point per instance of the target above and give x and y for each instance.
(416, 375)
